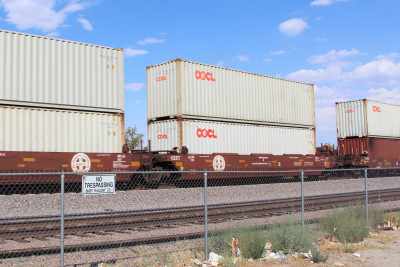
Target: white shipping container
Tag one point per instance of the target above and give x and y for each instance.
(54, 73)
(366, 118)
(180, 88)
(207, 137)
(51, 130)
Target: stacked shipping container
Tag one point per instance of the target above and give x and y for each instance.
(367, 127)
(59, 95)
(213, 109)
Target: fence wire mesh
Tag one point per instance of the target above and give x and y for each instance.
(154, 216)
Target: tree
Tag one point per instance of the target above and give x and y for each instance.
(133, 138)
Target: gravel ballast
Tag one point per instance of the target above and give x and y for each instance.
(49, 205)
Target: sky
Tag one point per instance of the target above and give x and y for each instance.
(349, 49)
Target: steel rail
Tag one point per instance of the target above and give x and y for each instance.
(138, 220)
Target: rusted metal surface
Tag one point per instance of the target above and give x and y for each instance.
(234, 162)
(389, 148)
(20, 162)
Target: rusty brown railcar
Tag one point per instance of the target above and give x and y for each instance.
(369, 152)
(42, 162)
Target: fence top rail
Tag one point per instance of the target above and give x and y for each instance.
(204, 171)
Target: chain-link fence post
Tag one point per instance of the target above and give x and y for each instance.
(205, 217)
(302, 200)
(62, 221)
(366, 193)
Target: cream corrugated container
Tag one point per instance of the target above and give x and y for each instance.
(50, 130)
(207, 137)
(54, 73)
(366, 118)
(180, 88)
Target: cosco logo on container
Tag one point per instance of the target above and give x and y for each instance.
(201, 75)
(206, 133)
(376, 109)
(162, 136)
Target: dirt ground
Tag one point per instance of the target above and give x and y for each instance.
(382, 248)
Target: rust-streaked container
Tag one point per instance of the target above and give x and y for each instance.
(366, 118)
(379, 147)
(54, 130)
(185, 89)
(38, 71)
(207, 137)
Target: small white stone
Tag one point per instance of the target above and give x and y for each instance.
(338, 264)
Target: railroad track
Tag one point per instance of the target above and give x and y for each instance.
(41, 228)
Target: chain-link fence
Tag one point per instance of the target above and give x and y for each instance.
(74, 219)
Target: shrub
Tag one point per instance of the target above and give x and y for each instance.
(317, 256)
(251, 242)
(349, 224)
(289, 237)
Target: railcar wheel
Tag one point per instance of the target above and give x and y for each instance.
(153, 180)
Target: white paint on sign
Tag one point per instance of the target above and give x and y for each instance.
(98, 184)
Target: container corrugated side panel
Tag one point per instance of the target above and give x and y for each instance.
(231, 138)
(351, 119)
(353, 146)
(163, 135)
(54, 73)
(376, 147)
(383, 119)
(162, 90)
(233, 95)
(50, 130)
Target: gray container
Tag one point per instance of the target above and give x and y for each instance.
(53, 73)
(207, 137)
(180, 88)
(54, 130)
(366, 118)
